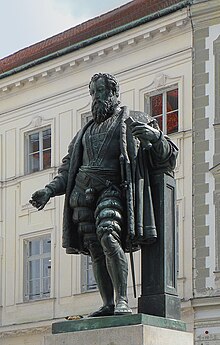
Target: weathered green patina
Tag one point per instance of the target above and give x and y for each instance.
(118, 183)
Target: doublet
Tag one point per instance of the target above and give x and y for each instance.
(101, 146)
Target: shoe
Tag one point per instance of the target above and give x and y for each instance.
(106, 310)
(122, 308)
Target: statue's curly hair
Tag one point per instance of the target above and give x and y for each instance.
(110, 80)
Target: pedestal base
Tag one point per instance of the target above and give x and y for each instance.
(163, 305)
(138, 329)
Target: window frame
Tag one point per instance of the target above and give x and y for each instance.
(40, 151)
(27, 259)
(163, 91)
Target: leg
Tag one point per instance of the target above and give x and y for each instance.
(109, 222)
(118, 270)
(103, 280)
(83, 215)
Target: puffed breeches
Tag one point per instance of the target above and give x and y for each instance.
(98, 212)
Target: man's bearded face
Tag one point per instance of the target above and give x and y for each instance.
(103, 101)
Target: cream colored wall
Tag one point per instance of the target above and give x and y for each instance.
(148, 58)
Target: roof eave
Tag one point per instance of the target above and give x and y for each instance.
(98, 38)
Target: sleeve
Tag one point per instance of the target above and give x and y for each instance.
(163, 154)
(58, 185)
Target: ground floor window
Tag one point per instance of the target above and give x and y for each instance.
(88, 279)
(37, 267)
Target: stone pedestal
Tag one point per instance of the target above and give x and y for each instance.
(136, 329)
(159, 271)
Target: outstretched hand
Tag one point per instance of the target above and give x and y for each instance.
(40, 198)
(144, 132)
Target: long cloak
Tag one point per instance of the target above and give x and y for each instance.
(138, 164)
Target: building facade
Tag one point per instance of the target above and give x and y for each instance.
(166, 58)
(206, 159)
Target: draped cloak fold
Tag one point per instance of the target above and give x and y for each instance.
(139, 164)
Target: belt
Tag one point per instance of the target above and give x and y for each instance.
(95, 174)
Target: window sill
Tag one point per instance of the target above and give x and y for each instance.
(46, 299)
(39, 171)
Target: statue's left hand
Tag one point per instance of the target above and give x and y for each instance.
(144, 132)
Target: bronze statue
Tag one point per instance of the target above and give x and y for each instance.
(105, 178)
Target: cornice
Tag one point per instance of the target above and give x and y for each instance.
(204, 12)
(206, 302)
(81, 90)
(145, 34)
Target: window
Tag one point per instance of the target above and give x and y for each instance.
(88, 279)
(37, 267)
(38, 148)
(164, 107)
